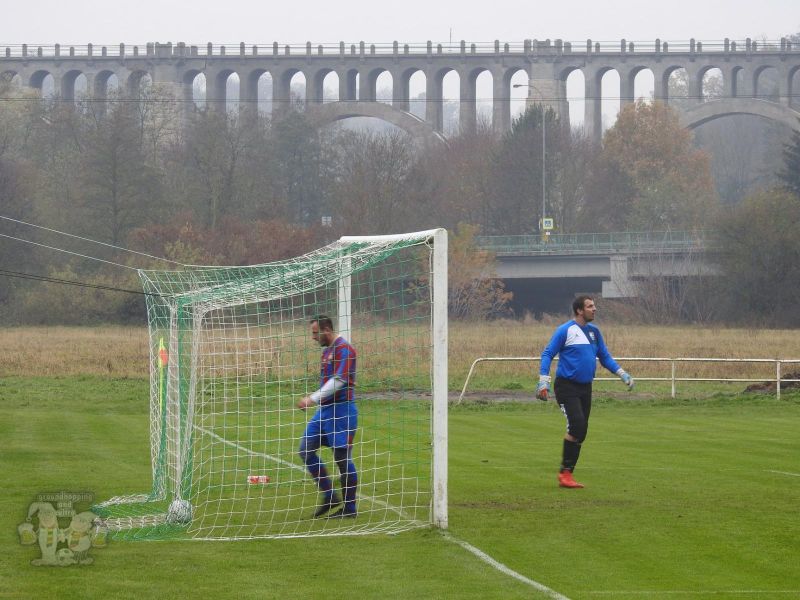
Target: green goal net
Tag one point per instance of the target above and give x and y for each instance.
(231, 354)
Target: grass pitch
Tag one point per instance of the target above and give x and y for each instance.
(684, 499)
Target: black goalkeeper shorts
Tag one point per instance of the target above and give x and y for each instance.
(575, 400)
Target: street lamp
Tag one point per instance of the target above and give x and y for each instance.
(544, 156)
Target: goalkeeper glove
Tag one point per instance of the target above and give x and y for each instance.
(626, 378)
(543, 389)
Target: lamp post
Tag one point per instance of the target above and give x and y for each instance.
(544, 156)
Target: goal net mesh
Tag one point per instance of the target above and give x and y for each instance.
(231, 354)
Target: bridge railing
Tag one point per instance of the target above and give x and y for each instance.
(623, 242)
(526, 47)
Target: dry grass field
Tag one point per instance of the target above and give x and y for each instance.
(123, 351)
(66, 351)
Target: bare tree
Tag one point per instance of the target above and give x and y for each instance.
(675, 285)
(372, 179)
(210, 155)
(119, 190)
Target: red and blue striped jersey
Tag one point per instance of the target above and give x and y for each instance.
(339, 360)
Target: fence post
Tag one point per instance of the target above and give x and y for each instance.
(778, 382)
(672, 362)
(466, 383)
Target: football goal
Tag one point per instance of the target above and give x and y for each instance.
(231, 354)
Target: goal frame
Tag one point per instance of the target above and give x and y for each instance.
(439, 331)
(178, 312)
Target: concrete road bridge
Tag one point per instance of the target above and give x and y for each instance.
(749, 68)
(611, 264)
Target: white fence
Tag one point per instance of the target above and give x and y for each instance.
(673, 377)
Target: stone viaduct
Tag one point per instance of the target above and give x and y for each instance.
(547, 64)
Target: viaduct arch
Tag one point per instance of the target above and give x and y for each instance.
(330, 112)
(709, 111)
(547, 65)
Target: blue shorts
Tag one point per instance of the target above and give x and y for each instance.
(333, 425)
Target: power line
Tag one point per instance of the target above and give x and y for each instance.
(109, 262)
(58, 280)
(91, 240)
(47, 279)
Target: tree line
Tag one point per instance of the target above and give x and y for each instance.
(214, 188)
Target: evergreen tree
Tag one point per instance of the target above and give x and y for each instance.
(515, 193)
(758, 254)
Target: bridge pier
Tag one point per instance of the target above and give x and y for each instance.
(348, 90)
(433, 100)
(593, 116)
(626, 88)
(400, 91)
(729, 82)
(501, 111)
(314, 87)
(367, 85)
(784, 85)
(747, 89)
(248, 95)
(99, 91)
(695, 81)
(620, 285)
(467, 116)
(545, 89)
(281, 91)
(660, 85)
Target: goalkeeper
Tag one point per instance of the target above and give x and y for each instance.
(579, 344)
(335, 422)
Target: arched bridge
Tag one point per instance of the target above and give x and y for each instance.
(758, 77)
(331, 112)
(714, 109)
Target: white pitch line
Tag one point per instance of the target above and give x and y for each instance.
(686, 592)
(783, 473)
(296, 467)
(503, 568)
(448, 536)
(248, 451)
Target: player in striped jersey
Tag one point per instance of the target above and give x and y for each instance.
(335, 422)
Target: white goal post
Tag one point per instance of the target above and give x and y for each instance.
(439, 321)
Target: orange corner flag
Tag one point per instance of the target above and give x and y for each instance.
(163, 356)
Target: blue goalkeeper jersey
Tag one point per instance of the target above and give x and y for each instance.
(578, 349)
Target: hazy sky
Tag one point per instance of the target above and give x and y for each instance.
(220, 21)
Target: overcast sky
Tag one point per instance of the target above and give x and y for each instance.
(200, 21)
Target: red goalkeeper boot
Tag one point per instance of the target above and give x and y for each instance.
(565, 480)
